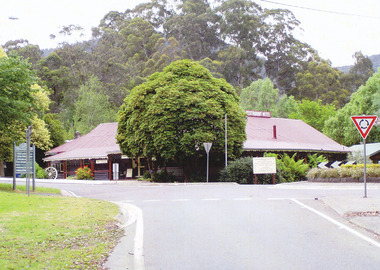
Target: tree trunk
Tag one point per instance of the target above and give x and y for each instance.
(150, 167)
(2, 173)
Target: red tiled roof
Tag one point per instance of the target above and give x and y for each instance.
(292, 135)
(98, 143)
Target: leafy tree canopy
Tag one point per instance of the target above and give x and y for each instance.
(359, 73)
(261, 95)
(365, 101)
(321, 81)
(16, 92)
(92, 107)
(171, 115)
(313, 113)
(56, 130)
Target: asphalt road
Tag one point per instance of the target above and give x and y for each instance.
(228, 226)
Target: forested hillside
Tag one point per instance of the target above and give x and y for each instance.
(237, 40)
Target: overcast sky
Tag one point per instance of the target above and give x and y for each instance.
(335, 36)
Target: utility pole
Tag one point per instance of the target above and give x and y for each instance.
(226, 148)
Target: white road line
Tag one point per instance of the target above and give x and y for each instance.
(69, 193)
(180, 200)
(340, 225)
(139, 242)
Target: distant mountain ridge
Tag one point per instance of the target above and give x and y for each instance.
(375, 61)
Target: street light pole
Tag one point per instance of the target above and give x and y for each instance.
(226, 149)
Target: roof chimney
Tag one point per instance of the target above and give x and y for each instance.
(274, 132)
(77, 135)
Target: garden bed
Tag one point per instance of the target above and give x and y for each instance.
(345, 180)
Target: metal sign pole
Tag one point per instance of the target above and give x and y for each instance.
(364, 124)
(226, 148)
(365, 170)
(28, 161)
(14, 166)
(207, 166)
(207, 147)
(34, 168)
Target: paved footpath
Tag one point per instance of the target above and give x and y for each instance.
(360, 211)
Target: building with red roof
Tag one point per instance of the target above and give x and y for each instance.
(99, 150)
(267, 134)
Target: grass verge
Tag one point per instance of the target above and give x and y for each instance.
(45, 232)
(22, 188)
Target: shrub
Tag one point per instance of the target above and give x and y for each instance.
(239, 171)
(197, 177)
(373, 171)
(323, 173)
(314, 173)
(345, 172)
(163, 177)
(40, 173)
(357, 172)
(314, 159)
(290, 170)
(84, 173)
(332, 173)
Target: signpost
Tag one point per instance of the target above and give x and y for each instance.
(264, 165)
(364, 124)
(207, 147)
(24, 157)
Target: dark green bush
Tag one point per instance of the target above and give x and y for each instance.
(288, 170)
(40, 173)
(314, 159)
(163, 177)
(146, 175)
(239, 171)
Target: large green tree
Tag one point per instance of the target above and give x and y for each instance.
(21, 103)
(313, 113)
(319, 81)
(16, 99)
(92, 107)
(170, 116)
(261, 95)
(239, 26)
(358, 73)
(56, 130)
(364, 101)
(285, 55)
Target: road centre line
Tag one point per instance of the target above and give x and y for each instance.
(339, 224)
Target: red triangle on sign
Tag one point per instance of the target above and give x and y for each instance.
(364, 123)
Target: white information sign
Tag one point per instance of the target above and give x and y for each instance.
(264, 165)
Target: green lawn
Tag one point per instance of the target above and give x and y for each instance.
(54, 232)
(22, 188)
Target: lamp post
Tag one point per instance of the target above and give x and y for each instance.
(207, 147)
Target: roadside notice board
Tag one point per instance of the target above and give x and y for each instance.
(20, 158)
(264, 165)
